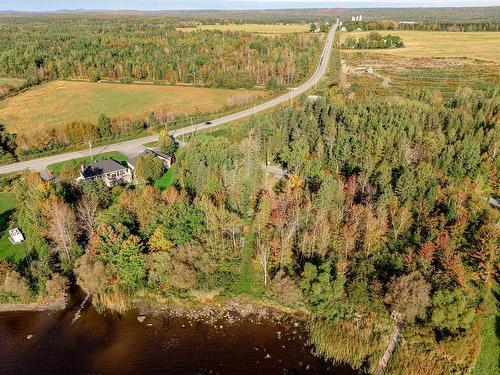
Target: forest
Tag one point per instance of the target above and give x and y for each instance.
(442, 14)
(417, 25)
(149, 48)
(384, 214)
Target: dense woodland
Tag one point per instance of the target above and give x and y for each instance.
(141, 48)
(445, 14)
(384, 213)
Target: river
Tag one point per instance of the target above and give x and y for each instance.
(64, 342)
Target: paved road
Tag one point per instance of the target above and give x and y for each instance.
(276, 170)
(133, 147)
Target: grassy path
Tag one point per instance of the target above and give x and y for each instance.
(489, 357)
(248, 282)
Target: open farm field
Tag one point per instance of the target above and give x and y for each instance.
(254, 28)
(60, 102)
(394, 75)
(473, 45)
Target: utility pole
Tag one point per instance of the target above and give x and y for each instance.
(90, 152)
(193, 130)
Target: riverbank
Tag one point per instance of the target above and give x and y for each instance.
(214, 338)
(152, 304)
(44, 305)
(232, 311)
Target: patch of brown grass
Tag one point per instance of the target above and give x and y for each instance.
(59, 102)
(473, 45)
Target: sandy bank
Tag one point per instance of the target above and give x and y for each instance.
(54, 304)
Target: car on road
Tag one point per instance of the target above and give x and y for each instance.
(208, 122)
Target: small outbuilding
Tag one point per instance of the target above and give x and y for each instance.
(165, 158)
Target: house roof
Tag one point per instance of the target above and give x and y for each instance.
(157, 153)
(149, 151)
(101, 167)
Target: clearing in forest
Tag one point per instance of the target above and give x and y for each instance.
(57, 103)
(15, 253)
(254, 28)
(474, 45)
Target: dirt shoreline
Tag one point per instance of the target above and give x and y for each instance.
(46, 305)
(231, 311)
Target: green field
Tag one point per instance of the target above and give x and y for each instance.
(76, 163)
(489, 356)
(8, 251)
(166, 180)
(474, 45)
(254, 28)
(57, 103)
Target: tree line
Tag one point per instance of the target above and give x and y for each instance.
(418, 25)
(373, 41)
(142, 48)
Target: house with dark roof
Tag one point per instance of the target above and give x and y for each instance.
(109, 171)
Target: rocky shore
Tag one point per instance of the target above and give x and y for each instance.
(44, 305)
(230, 312)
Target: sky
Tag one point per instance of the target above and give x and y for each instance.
(51, 5)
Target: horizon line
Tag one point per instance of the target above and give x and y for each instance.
(385, 6)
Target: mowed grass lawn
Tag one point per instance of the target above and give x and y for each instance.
(166, 180)
(474, 45)
(254, 28)
(59, 102)
(76, 163)
(15, 253)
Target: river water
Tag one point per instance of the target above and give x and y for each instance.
(64, 342)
